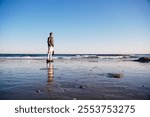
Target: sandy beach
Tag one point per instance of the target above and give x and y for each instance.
(74, 79)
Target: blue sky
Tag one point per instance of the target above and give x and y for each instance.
(79, 26)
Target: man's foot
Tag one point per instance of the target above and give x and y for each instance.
(49, 60)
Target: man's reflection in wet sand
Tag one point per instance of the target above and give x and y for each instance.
(50, 71)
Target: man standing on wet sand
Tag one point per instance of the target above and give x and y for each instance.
(50, 43)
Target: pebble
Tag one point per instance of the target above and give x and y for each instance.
(38, 91)
(115, 75)
(81, 87)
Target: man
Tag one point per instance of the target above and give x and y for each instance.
(50, 43)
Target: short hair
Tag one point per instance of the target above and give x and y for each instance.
(51, 33)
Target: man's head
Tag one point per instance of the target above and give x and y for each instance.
(51, 34)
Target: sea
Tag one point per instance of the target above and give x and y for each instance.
(74, 56)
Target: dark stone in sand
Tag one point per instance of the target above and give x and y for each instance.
(143, 59)
(38, 91)
(81, 87)
(115, 75)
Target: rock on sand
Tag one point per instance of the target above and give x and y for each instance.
(115, 75)
(143, 59)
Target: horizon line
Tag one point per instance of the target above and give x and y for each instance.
(82, 53)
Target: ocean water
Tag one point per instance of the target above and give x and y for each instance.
(75, 56)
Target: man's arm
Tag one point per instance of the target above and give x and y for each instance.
(48, 41)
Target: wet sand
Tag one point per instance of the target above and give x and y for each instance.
(74, 79)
